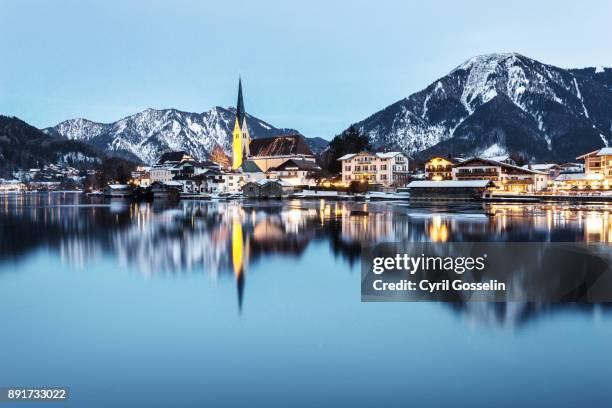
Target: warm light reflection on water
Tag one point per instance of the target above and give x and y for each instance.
(214, 238)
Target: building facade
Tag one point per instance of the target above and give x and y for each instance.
(440, 168)
(295, 172)
(599, 162)
(597, 173)
(387, 169)
(507, 177)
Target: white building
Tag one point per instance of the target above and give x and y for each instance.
(295, 172)
(506, 176)
(552, 169)
(376, 168)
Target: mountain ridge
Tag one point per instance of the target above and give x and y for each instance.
(147, 134)
(565, 113)
(23, 146)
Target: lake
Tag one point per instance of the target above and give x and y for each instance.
(228, 304)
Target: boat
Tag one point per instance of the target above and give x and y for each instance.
(165, 191)
(194, 196)
(229, 196)
(388, 196)
(514, 199)
(95, 193)
(118, 191)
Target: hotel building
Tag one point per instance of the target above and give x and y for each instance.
(440, 168)
(376, 168)
(597, 172)
(507, 177)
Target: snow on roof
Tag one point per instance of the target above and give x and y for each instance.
(118, 186)
(284, 183)
(501, 158)
(449, 183)
(578, 176)
(501, 164)
(541, 166)
(381, 155)
(266, 181)
(594, 152)
(387, 155)
(606, 151)
(347, 156)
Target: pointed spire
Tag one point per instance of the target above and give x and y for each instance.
(240, 105)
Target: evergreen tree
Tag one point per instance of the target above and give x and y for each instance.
(349, 141)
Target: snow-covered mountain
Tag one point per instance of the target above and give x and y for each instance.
(23, 146)
(501, 103)
(146, 135)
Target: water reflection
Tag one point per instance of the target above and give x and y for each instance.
(227, 238)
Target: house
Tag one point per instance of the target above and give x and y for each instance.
(597, 172)
(297, 172)
(252, 189)
(440, 168)
(195, 185)
(267, 189)
(376, 168)
(552, 169)
(572, 168)
(168, 166)
(141, 176)
(275, 189)
(223, 182)
(178, 166)
(568, 181)
(450, 189)
(507, 177)
(598, 162)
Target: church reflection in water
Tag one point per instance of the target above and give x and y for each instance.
(227, 238)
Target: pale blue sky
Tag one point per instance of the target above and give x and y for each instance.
(316, 65)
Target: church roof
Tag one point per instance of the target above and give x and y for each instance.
(287, 145)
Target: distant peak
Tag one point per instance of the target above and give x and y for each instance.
(489, 59)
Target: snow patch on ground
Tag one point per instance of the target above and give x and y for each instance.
(493, 150)
(478, 87)
(548, 142)
(579, 95)
(425, 105)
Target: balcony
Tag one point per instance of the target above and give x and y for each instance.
(438, 168)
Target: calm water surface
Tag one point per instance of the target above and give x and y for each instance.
(258, 304)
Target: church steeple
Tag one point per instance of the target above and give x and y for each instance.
(241, 137)
(240, 104)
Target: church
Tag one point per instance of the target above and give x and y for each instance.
(267, 154)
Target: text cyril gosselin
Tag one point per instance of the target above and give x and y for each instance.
(414, 264)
